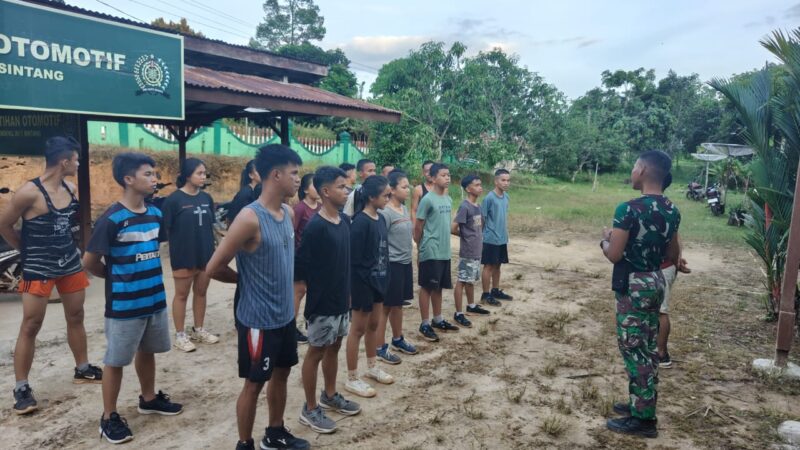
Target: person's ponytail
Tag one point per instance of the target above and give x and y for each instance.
(372, 188)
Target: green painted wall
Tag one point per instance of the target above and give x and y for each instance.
(217, 140)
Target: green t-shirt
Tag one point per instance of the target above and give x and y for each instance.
(435, 210)
(652, 221)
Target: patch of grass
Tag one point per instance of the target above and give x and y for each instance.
(549, 370)
(545, 204)
(518, 276)
(483, 330)
(562, 243)
(551, 267)
(554, 426)
(474, 413)
(562, 406)
(515, 394)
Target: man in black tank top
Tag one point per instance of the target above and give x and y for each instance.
(50, 258)
(421, 190)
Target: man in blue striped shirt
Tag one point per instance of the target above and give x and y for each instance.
(124, 250)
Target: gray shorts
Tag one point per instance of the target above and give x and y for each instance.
(325, 330)
(469, 270)
(125, 337)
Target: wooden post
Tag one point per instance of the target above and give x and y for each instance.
(84, 185)
(285, 130)
(596, 167)
(786, 316)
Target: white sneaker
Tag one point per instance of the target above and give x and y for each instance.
(183, 344)
(203, 336)
(377, 374)
(360, 388)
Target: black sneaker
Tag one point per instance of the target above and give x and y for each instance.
(24, 401)
(665, 362)
(623, 409)
(279, 437)
(500, 295)
(92, 374)
(115, 429)
(301, 338)
(633, 425)
(462, 320)
(476, 311)
(428, 333)
(160, 405)
(444, 326)
(249, 445)
(489, 300)
(406, 303)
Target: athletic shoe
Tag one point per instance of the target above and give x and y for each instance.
(444, 326)
(280, 438)
(489, 300)
(622, 409)
(317, 420)
(183, 344)
(462, 320)
(406, 303)
(203, 336)
(377, 374)
(476, 311)
(339, 404)
(24, 401)
(161, 404)
(301, 338)
(428, 333)
(115, 429)
(633, 425)
(92, 374)
(360, 387)
(500, 295)
(249, 445)
(665, 362)
(403, 346)
(388, 357)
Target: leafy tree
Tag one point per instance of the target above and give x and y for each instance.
(181, 26)
(769, 113)
(289, 22)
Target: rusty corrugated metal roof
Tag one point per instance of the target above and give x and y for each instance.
(213, 79)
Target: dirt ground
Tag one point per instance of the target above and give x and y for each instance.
(540, 372)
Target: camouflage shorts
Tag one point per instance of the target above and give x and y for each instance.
(469, 270)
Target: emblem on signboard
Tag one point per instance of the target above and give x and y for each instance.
(152, 75)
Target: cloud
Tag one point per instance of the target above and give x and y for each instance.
(377, 50)
(793, 12)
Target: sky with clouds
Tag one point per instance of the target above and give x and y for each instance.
(568, 42)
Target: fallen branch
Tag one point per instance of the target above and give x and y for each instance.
(585, 375)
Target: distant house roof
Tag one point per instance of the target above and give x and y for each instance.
(213, 86)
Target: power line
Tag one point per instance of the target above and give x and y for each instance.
(120, 11)
(219, 11)
(202, 17)
(196, 21)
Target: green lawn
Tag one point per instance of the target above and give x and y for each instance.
(539, 204)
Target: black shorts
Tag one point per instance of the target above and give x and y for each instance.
(261, 350)
(494, 255)
(401, 284)
(434, 275)
(363, 296)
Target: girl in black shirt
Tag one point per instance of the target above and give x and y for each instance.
(369, 256)
(188, 219)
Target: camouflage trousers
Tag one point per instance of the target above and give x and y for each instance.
(637, 329)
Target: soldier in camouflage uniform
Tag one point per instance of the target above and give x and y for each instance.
(642, 237)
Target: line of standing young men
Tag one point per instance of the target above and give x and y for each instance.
(124, 250)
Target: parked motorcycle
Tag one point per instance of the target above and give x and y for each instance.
(694, 191)
(155, 199)
(715, 201)
(10, 262)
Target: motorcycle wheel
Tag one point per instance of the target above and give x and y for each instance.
(10, 278)
(716, 210)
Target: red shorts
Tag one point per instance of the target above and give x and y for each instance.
(65, 285)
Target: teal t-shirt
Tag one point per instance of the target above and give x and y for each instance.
(495, 218)
(435, 210)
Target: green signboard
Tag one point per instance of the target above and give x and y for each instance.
(54, 60)
(25, 132)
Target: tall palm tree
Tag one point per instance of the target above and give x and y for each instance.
(770, 113)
